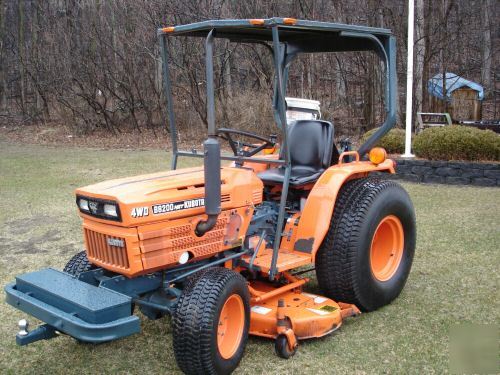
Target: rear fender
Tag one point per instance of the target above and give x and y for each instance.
(318, 210)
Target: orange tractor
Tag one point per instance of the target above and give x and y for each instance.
(223, 248)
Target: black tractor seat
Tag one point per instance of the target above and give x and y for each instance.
(311, 144)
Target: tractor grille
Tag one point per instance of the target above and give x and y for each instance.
(99, 248)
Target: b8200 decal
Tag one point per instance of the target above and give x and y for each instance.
(177, 206)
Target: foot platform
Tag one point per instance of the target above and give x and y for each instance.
(287, 260)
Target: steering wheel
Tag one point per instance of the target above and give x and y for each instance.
(241, 148)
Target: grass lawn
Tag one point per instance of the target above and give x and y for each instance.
(454, 277)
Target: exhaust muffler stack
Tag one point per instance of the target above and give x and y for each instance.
(212, 186)
(211, 150)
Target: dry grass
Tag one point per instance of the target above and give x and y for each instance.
(454, 277)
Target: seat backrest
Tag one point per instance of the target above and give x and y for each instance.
(310, 143)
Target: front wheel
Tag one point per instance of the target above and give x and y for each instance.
(78, 264)
(282, 349)
(367, 253)
(211, 322)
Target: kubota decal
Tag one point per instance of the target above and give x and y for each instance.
(117, 242)
(177, 206)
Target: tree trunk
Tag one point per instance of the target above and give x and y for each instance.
(227, 73)
(441, 53)
(3, 66)
(114, 43)
(310, 79)
(370, 78)
(427, 57)
(419, 58)
(369, 95)
(486, 47)
(340, 86)
(34, 58)
(21, 55)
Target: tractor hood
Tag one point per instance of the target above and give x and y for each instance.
(166, 195)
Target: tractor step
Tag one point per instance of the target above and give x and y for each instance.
(66, 304)
(287, 260)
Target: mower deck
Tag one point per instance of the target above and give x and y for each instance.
(276, 309)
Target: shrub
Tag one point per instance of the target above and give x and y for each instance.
(457, 143)
(393, 142)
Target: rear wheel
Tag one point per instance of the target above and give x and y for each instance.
(211, 322)
(367, 253)
(78, 264)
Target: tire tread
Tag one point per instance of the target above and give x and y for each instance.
(78, 264)
(194, 320)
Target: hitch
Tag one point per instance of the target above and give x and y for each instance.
(43, 332)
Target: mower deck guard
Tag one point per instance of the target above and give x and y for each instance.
(68, 305)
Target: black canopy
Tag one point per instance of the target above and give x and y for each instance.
(299, 35)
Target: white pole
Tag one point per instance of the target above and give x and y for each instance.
(409, 80)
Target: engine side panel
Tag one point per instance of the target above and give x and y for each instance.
(161, 245)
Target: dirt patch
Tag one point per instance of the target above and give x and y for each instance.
(30, 235)
(30, 245)
(26, 225)
(69, 249)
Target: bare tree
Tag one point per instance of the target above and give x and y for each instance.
(95, 64)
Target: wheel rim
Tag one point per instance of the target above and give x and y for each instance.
(231, 325)
(387, 248)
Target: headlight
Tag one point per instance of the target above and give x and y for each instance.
(101, 208)
(83, 204)
(110, 210)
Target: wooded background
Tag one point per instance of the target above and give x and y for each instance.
(94, 64)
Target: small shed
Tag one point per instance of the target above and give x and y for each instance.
(461, 98)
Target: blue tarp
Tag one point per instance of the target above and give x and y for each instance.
(453, 82)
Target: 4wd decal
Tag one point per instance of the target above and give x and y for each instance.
(140, 212)
(177, 206)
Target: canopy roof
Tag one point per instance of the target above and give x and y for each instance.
(286, 38)
(453, 82)
(304, 35)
